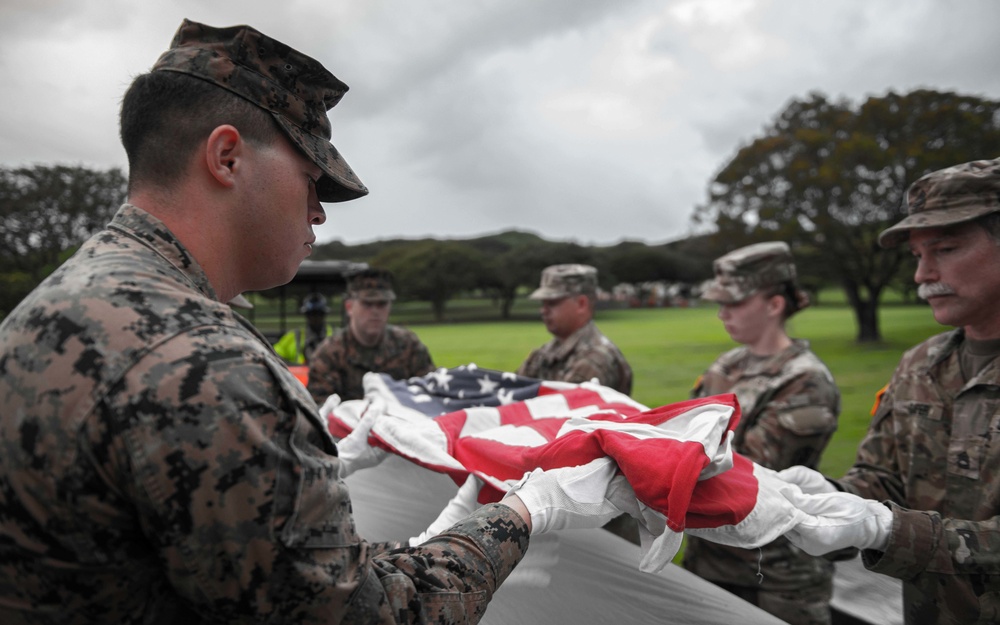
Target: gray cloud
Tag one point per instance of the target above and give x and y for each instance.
(582, 120)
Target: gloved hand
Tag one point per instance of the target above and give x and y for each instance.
(810, 481)
(585, 496)
(460, 506)
(354, 451)
(839, 520)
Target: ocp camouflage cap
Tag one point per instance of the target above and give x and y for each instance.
(948, 196)
(565, 280)
(371, 285)
(296, 89)
(742, 272)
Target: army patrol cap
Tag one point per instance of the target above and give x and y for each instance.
(948, 196)
(741, 273)
(296, 89)
(371, 285)
(560, 281)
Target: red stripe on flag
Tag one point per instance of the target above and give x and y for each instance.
(725, 499)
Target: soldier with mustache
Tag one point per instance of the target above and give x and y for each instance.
(929, 467)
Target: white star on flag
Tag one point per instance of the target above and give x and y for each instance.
(441, 378)
(487, 385)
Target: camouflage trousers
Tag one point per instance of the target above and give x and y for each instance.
(807, 606)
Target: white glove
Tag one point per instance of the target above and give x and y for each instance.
(460, 506)
(585, 496)
(811, 482)
(838, 521)
(354, 451)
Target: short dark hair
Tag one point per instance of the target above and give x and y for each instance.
(991, 223)
(165, 115)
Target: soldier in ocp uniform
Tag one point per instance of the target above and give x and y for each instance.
(789, 404)
(929, 467)
(158, 461)
(578, 351)
(368, 343)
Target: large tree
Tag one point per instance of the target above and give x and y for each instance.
(433, 271)
(829, 176)
(46, 210)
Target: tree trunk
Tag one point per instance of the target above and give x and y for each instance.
(438, 307)
(506, 304)
(866, 312)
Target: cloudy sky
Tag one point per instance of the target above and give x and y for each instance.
(586, 120)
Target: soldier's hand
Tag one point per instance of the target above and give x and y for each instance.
(586, 496)
(354, 451)
(811, 482)
(839, 520)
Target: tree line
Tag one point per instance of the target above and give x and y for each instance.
(502, 265)
(824, 175)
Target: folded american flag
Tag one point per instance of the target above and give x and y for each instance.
(498, 426)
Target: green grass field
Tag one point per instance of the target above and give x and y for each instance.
(669, 347)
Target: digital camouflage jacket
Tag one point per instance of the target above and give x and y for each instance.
(789, 405)
(159, 464)
(932, 450)
(340, 362)
(583, 356)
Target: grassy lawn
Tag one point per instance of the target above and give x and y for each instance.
(669, 347)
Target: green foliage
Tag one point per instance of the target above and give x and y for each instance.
(828, 177)
(45, 211)
(637, 262)
(434, 271)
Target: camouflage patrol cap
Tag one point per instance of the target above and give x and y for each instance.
(565, 280)
(948, 196)
(371, 285)
(741, 273)
(296, 89)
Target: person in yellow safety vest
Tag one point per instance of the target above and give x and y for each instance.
(297, 345)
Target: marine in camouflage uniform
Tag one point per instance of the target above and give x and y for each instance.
(789, 404)
(340, 362)
(931, 449)
(578, 352)
(159, 463)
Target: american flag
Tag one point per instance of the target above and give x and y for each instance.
(498, 426)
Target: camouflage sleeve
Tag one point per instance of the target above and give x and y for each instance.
(235, 484)
(875, 473)
(454, 561)
(926, 542)
(325, 377)
(795, 424)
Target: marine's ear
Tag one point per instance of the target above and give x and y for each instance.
(223, 154)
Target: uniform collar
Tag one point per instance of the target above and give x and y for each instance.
(154, 234)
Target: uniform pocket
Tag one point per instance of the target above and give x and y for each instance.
(318, 503)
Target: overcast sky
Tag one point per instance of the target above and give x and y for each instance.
(586, 120)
